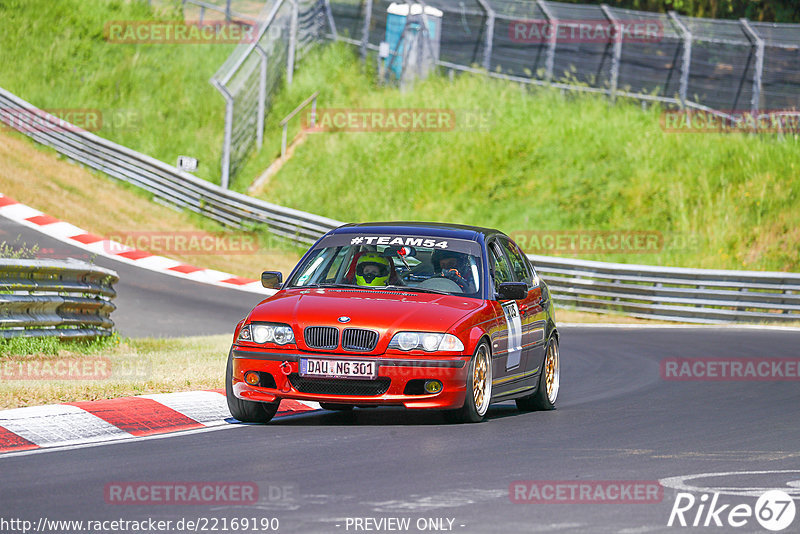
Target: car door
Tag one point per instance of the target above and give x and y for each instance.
(533, 317)
(507, 333)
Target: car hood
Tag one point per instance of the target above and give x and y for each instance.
(384, 311)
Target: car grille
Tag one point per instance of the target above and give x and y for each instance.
(339, 386)
(322, 337)
(359, 339)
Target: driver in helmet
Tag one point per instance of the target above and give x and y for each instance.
(372, 269)
(454, 266)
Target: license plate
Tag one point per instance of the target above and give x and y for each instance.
(326, 368)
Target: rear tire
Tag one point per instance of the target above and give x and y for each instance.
(549, 382)
(479, 388)
(246, 411)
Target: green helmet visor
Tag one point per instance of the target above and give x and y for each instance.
(372, 272)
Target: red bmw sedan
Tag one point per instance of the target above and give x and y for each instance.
(421, 315)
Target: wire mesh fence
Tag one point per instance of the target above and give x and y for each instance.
(704, 63)
(287, 29)
(722, 66)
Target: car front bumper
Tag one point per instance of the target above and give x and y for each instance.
(283, 367)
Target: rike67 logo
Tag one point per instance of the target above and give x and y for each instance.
(725, 499)
(774, 510)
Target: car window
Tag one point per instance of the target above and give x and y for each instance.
(502, 271)
(519, 263)
(429, 264)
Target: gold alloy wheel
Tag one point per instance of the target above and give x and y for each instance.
(482, 380)
(552, 372)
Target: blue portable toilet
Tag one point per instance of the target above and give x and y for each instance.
(409, 47)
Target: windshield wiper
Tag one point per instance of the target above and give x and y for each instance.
(419, 289)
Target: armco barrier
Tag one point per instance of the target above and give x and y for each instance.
(672, 293)
(163, 181)
(675, 294)
(66, 299)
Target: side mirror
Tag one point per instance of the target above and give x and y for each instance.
(271, 279)
(512, 291)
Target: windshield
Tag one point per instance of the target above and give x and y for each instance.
(427, 265)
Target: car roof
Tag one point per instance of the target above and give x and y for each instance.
(453, 231)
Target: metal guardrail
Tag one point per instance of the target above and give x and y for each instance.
(164, 181)
(44, 298)
(691, 295)
(672, 293)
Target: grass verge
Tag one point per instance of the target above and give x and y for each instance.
(541, 161)
(151, 97)
(120, 368)
(39, 177)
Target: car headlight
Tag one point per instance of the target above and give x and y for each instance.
(427, 341)
(277, 333)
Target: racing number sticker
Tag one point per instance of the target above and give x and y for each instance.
(514, 325)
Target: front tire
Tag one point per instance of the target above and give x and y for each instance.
(479, 388)
(549, 382)
(246, 411)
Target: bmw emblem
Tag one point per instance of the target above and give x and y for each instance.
(344, 319)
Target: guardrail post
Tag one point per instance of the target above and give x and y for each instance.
(331, 22)
(552, 40)
(365, 33)
(687, 56)
(489, 42)
(617, 50)
(262, 97)
(292, 44)
(226, 144)
(758, 43)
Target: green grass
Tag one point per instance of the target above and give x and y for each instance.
(120, 368)
(51, 345)
(154, 98)
(548, 161)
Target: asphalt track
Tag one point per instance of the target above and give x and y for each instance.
(617, 420)
(149, 303)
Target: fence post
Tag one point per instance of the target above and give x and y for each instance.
(365, 32)
(758, 42)
(487, 47)
(292, 44)
(331, 22)
(551, 44)
(226, 143)
(227, 10)
(617, 50)
(687, 56)
(262, 96)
